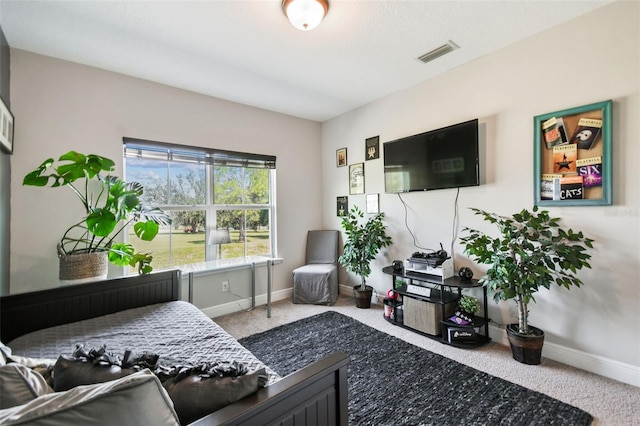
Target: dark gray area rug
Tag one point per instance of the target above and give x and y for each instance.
(392, 382)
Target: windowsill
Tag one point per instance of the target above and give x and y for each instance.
(227, 264)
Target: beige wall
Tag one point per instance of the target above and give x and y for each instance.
(590, 59)
(62, 106)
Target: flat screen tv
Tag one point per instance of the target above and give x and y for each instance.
(438, 159)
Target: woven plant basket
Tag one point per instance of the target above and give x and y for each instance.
(83, 267)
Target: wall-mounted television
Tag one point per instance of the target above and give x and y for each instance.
(438, 159)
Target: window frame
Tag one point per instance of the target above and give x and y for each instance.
(210, 157)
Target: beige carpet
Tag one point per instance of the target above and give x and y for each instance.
(608, 401)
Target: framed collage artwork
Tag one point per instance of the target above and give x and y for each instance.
(572, 156)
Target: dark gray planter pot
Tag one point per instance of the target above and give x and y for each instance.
(526, 348)
(363, 297)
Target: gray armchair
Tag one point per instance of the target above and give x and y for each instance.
(317, 281)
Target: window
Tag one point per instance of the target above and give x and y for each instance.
(221, 202)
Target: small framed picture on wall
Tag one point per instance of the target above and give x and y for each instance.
(342, 205)
(6, 128)
(372, 148)
(356, 179)
(341, 157)
(373, 203)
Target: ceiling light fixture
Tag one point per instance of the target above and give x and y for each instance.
(305, 15)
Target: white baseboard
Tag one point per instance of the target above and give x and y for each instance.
(622, 372)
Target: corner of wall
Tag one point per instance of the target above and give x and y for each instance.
(5, 175)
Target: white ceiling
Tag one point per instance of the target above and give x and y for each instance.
(246, 51)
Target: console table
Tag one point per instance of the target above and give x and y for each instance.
(429, 314)
(219, 265)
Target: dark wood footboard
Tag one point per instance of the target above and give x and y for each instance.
(314, 395)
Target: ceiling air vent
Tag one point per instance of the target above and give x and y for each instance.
(438, 51)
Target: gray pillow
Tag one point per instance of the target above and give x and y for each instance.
(195, 396)
(137, 399)
(69, 372)
(19, 385)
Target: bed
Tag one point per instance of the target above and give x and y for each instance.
(146, 312)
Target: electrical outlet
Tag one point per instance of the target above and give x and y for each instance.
(225, 286)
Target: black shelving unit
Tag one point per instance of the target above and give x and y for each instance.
(446, 292)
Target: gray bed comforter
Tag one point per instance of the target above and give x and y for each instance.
(176, 331)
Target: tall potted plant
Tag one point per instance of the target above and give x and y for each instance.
(363, 242)
(109, 204)
(531, 252)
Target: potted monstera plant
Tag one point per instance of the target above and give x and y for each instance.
(109, 205)
(532, 251)
(363, 242)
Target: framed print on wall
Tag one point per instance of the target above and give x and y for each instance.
(341, 157)
(342, 205)
(356, 179)
(372, 148)
(373, 203)
(572, 156)
(6, 128)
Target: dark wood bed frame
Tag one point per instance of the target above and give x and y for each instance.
(313, 395)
